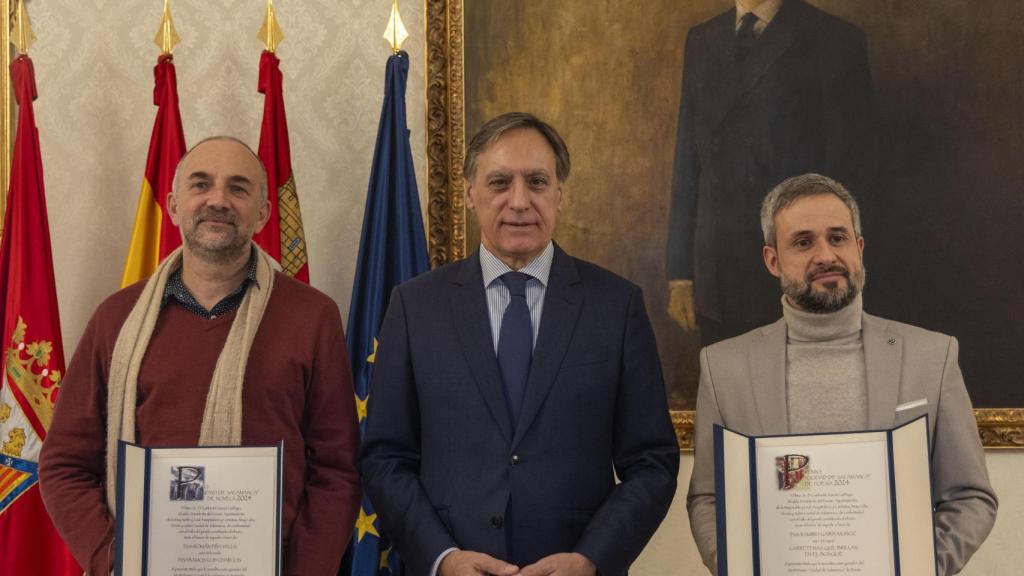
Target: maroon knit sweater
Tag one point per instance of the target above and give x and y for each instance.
(298, 388)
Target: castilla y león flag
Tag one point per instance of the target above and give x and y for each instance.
(282, 237)
(154, 235)
(33, 356)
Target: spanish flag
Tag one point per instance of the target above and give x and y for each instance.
(283, 236)
(33, 354)
(154, 235)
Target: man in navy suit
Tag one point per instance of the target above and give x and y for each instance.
(512, 388)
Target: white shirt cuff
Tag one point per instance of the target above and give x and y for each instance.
(440, 557)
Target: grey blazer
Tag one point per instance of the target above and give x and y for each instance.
(743, 387)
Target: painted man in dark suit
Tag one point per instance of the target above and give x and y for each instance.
(512, 388)
(771, 89)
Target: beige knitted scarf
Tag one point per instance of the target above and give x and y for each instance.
(222, 417)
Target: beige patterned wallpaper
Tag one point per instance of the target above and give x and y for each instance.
(94, 69)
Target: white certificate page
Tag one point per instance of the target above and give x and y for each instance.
(824, 505)
(213, 512)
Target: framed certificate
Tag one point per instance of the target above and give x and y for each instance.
(198, 511)
(824, 504)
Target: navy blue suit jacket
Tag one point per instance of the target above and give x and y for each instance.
(443, 464)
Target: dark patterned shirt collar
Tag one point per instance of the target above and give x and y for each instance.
(176, 288)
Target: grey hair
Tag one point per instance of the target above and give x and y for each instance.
(498, 126)
(792, 189)
(263, 169)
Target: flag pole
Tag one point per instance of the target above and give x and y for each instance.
(395, 33)
(18, 32)
(167, 36)
(6, 116)
(270, 33)
(154, 235)
(30, 339)
(5, 107)
(22, 30)
(392, 249)
(283, 237)
(394, 29)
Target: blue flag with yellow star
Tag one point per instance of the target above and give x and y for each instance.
(392, 249)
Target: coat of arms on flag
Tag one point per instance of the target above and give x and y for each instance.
(26, 405)
(32, 351)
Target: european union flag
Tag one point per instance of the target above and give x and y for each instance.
(392, 249)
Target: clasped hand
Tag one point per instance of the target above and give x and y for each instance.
(464, 563)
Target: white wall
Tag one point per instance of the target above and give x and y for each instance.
(672, 551)
(94, 69)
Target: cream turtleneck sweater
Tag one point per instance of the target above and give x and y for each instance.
(826, 385)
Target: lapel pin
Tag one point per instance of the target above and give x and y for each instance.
(892, 341)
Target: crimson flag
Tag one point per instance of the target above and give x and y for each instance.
(33, 358)
(282, 237)
(154, 235)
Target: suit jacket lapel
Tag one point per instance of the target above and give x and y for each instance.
(719, 82)
(768, 378)
(562, 304)
(774, 41)
(883, 350)
(473, 326)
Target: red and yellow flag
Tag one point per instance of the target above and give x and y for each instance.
(33, 355)
(154, 235)
(282, 237)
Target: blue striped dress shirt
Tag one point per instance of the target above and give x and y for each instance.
(497, 293)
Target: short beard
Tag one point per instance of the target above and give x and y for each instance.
(216, 254)
(833, 299)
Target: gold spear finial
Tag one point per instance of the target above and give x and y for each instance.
(21, 29)
(271, 32)
(167, 37)
(395, 33)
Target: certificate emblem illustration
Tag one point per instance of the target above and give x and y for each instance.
(790, 470)
(188, 483)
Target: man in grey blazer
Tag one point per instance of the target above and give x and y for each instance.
(827, 366)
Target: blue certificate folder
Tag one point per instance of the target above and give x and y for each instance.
(857, 503)
(206, 510)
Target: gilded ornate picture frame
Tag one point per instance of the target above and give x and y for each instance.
(449, 229)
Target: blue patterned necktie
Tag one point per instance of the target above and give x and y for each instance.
(515, 343)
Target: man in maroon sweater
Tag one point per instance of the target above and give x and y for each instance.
(295, 384)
